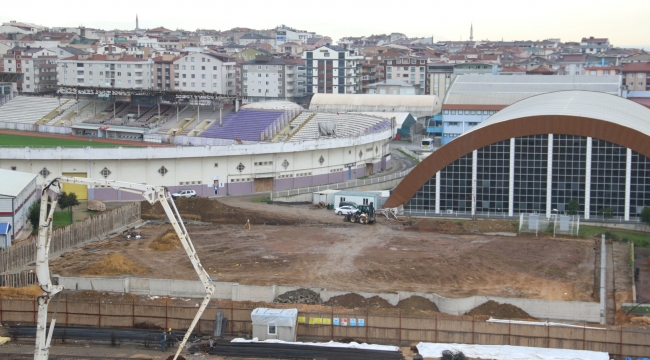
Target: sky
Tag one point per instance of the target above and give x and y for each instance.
(624, 22)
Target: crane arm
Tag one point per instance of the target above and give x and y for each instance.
(151, 194)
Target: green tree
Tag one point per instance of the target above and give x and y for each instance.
(572, 207)
(34, 213)
(645, 215)
(606, 213)
(67, 201)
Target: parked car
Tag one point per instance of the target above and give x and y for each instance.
(184, 193)
(347, 203)
(344, 210)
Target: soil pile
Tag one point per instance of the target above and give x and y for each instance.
(206, 210)
(28, 292)
(354, 301)
(300, 296)
(417, 303)
(643, 320)
(115, 264)
(166, 242)
(504, 311)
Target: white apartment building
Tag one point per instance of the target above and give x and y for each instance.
(37, 65)
(408, 69)
(110, 70)
(205, 72)
(267, 78)
(332, 70)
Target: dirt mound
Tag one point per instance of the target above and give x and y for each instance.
(115, 264)
(644, 320)
(353, 301)
(204, 209)
(28, 292)
(504, 311)
(300, 296)
(417, 303)
(166, 242)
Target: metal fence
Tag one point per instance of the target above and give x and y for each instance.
(95, 227)
(343, 185)
(21, 279)
(363, 325)
(47, 129)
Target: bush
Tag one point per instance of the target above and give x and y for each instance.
(611, 236)
(34, 213)
(645, 215)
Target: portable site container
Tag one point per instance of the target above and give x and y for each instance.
(360, 198)
(325, 195)
(277, 324)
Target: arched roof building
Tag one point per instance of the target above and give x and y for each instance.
(537, 155)
(417, 105)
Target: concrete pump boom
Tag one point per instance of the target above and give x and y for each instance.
(150, 193)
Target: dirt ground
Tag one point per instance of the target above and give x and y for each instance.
(294, 245)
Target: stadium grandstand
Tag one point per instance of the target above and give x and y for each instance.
(220, 148)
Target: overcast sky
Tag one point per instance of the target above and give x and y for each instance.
(624, 22)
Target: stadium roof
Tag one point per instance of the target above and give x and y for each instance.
(417, 105)
(507, 90)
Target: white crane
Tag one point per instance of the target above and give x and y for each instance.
(152, 194)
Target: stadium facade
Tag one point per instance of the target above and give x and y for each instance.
(537, 155)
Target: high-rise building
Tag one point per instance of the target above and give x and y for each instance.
(333, 70)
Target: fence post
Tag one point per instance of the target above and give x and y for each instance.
(509, 332)
(0, 310)
(584, 333)
(66, 311)
(436, 330)
(332, 326)
(473, 329)
(367, 318)
(400, 327)
(35, 311)
(620, 349)
(133, 313)
(99, 312)
(231, 318)
(166, 314)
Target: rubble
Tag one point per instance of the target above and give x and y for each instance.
(96, 205)
(300, 296)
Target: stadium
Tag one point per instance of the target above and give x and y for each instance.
(536, 156)
(197, 141)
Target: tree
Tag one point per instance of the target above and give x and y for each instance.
(68, 201)
(645, 215)
(606, 213)
(34, 213)
(572, 207)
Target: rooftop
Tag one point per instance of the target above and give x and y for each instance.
(13, 182)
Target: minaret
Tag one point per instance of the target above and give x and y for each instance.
(471, 32)
(137, 27)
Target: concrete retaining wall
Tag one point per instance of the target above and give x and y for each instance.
(389, 184)
(539, 308)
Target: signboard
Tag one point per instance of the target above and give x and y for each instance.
(353, 322)
(344, 321)
(327, 321)
(336, 321)
(361, 322)
(301, 320)
(350, 165)
(315, 321)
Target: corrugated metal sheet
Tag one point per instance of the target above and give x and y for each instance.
(506, 90)
(13, 182)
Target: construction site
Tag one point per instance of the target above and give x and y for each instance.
(404, 281)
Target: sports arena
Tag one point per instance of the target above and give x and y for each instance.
(212, 145)
(536, 156)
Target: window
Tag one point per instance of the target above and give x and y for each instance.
(128, 74)
(466, 112)
(215, 85)
(389, 69)
(193, 76)
(326, 54)
(193, 85)
(192, 60)
(202, 84)
(192, 67)
(119, 73)
(452, 123)
(184, 84)
(202, 76)
(184, 76)
(215, 76)
(446, 112)
(202, 67)
(453, 112)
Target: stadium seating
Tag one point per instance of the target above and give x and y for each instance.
(244, 125)
(347, 125)
(27, 109)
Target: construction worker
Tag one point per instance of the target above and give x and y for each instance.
(163, 340)
(171, 338)
(248, 224)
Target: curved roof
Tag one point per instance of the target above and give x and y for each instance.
(273, 105)
(594, 105)
(418, 105)
(580, 113)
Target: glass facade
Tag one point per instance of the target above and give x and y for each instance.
(568, 174)
(607, 177)
(492, 175)
(456, 186)
(531, 162)
(639, 183)
(569, 169)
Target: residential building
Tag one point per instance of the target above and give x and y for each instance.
(512, 70)
(332, 69)
(205, 72)
(593, 45)
(253, 37)
(251, 53)
(17, 194)
(63, 52)
(393, 87)
(110, 70)
(272, 78)
(635, 76)
(409, 69)
(38, 66)
(440, 77)
(368, 75)
(163, 72)
(476, 68)
(602, 70)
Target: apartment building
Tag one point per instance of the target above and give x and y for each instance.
(332, 69)
(272, 78)
(440, 77)
(110, 70)
(593, 45)
(635, 76)
(410, 69)
(205, 72)
(163, 72)
(37, 65)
